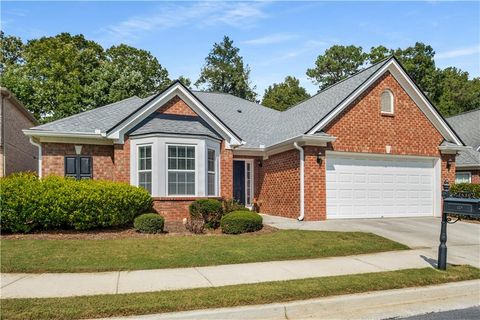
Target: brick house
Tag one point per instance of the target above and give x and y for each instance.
(467, 125)
(371, 145)
(16, 152)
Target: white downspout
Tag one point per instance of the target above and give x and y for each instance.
(39, 146)
(302, 182)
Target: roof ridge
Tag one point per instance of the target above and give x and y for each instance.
(464, 112)
(87, 111)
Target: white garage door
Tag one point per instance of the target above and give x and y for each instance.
(371, 187)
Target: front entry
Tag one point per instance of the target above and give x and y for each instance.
(239, 181)
(242, 181)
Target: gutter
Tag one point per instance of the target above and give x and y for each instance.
(39, 146)
(40, 133)
(302, 182)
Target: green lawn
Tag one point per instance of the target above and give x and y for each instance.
(229, 296)
(183, 251)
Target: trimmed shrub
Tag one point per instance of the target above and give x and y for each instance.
(231, 205)
(210, 210)
(241, 221)
(149, 223)
(28, 203)
(469, 189)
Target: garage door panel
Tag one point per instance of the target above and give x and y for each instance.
(359, 186)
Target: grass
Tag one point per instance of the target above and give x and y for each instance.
(184, 251)
(229, 296)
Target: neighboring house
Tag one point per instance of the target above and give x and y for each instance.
(371, 145)
(467, 125)
(16, 152)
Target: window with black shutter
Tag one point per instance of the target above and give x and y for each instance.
(78, 167)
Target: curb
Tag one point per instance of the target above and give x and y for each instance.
(370, 305)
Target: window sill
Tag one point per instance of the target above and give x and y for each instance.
(383, 114)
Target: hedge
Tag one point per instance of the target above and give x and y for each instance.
(149, 223)
(470, 188)
(210, 210)
(240, 222)
(28, 203)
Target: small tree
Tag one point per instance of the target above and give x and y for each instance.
(281, 96)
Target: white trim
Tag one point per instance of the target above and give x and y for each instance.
(164, 97)
(409, 87)
(145, 170)
(302, 181)
(378, 155)
(252, 178)
(39, 146)
(39, 133)
(464, 172)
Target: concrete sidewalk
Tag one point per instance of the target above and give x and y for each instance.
(80, 284)
(388, 304)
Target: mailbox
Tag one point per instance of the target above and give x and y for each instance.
(462, 206)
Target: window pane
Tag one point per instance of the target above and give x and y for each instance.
(85, 165)
(190, 164)
(190, 189)
(70, 166)
(211, 160)
(172, 164)
(190, 177)
(182, 153)
(145, 181)
(172, 151)
(182, 164)
(190, 152)
(211, 184)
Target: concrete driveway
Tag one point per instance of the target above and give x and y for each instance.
(463, 241)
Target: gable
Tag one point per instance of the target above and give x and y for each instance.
(361, 127)
(177, 106)
(175, 100)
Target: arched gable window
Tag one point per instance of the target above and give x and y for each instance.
(386, 102)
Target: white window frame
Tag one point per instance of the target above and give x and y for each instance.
(469, 174)
(195, 170)
(145, 170)
(214, 172)
(392, 102)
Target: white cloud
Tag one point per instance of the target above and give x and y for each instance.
(174, 15)
(461, 52)
(270, 39)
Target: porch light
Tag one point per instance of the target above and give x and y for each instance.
(259, 163)
(449, 163)
(78, 149)
(319, 158)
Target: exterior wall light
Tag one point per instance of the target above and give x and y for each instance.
(259, 163)
(78, 150)
(319, 158)
(449, 163)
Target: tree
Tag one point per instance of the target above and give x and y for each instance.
(11, 50)
(224, 71)
(128, 71)
(283, 95)
(54, 78)
(185, 81)
(378, 54)
(337, 63)
(459, 94)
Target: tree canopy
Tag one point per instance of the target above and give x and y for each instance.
(65, 74)
(224, 71)
(281, 96)
(449, 89)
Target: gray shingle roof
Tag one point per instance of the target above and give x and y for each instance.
(255, 124)
(174, 124)
(467, 126)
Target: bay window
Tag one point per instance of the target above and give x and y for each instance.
(211, 173)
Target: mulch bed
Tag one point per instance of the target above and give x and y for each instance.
(172, 228)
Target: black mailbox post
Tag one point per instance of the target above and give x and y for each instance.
(461, 207)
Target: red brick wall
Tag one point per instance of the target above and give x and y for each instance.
(279, 185)
(475, 176)
(174, 209)
(226, 172)
(121, 158)
(176, 106)
(53, 161)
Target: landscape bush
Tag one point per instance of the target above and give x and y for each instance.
(210, 210)
(28, 203)
(149, 223)
(231, 205)
(469, 188)
(195, 225)
(237, 222)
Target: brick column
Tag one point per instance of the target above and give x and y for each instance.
(226, 172)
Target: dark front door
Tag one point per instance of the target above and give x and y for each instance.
(239, 181)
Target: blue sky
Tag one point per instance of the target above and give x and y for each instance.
(275, 38)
